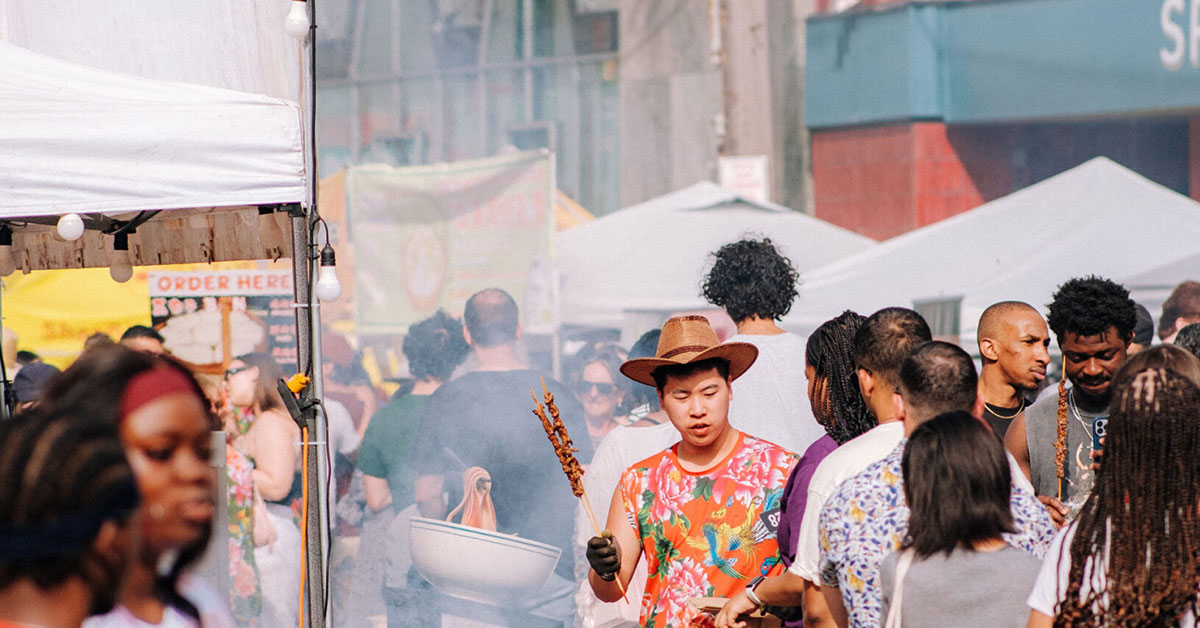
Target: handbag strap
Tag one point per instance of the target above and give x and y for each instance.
(894, 610)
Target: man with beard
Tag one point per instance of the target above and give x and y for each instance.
(1012, 347)
(1093, 319)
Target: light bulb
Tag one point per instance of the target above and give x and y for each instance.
(328, 286)
(70, 227)
(119, 267)
(269, 233)
(296, 24)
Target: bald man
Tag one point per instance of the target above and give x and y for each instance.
(1012, 346)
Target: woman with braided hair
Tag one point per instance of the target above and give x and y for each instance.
(165, 425)
(1132, 557)
(66, 496)
(839, 407)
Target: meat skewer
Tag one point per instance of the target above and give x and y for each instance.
(565, 450)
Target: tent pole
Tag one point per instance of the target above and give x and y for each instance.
(308, 337)
(307, 362)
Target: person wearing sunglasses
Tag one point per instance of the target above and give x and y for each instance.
(265, 433)
(598, 391)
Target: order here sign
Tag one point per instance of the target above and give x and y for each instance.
(222, 283)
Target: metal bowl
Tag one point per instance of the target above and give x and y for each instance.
(480, 565)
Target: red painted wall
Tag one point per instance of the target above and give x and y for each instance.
(882, 181)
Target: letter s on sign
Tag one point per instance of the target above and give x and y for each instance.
(1172, 59)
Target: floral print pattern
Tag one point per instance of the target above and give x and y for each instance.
(245, 596)
(703, 534)
(866, 519)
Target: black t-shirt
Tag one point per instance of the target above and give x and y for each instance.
(486, 418)
(1000, 418)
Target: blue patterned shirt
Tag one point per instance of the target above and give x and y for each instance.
(866, 519)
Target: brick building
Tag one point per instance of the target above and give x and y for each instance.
(922, 110)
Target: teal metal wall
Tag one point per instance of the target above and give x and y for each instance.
(1003, 60)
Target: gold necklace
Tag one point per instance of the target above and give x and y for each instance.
(1010, 417)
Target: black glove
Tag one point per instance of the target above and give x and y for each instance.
(604, 556)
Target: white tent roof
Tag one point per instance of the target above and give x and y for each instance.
(81, 140)
(652, 257)
(1098, 218)
(93, 120)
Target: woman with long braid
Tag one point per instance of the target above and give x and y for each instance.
(1132, 557)
(839, 407)
(165, 426)
(66, 496)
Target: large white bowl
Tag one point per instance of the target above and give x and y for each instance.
(478, 564)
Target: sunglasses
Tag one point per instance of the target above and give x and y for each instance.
(583, 388)
(234, 371)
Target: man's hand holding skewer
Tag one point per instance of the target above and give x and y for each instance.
(604, 555)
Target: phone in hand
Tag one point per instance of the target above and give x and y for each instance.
(1099, 430)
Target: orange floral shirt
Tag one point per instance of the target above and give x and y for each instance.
(707, 533)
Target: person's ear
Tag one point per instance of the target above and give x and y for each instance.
(987, 349)
(467, 336)
(977, 409)
(898, 406)
(517, 336)
(866, 382)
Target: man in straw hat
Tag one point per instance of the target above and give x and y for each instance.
(704, 511)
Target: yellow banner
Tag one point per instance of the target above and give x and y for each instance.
(54, 311)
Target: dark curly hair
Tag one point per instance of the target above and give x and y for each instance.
(750, 278)
(435, 347)
(1189, 338)
(1087, 306)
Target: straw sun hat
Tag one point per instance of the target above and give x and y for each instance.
(687, 339)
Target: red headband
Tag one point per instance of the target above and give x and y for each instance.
(151, 385)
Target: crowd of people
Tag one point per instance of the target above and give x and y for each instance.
(867, 475)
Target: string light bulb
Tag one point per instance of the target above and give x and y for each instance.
(119, 266)
(7, 264)
(296, 24)
(70, 227)
(328, 286)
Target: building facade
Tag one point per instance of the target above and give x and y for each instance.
(635, 98)
(921, 110)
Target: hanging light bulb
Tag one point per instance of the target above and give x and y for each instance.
(7, 264)
(328, 286)
(296, 24)
(269, 233)
(70, 227)
(119, 266)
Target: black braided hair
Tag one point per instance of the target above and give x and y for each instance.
(60, 469)
(1142, 512)
(837, 403)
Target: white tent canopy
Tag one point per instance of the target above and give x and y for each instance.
(1098, 218)
(81, 140)
(650, 258)
(77, 136)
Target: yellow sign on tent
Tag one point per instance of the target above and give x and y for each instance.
(54, 311)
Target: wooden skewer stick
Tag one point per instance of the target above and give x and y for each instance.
(563, 448)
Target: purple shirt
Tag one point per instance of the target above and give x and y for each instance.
(795, 497)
